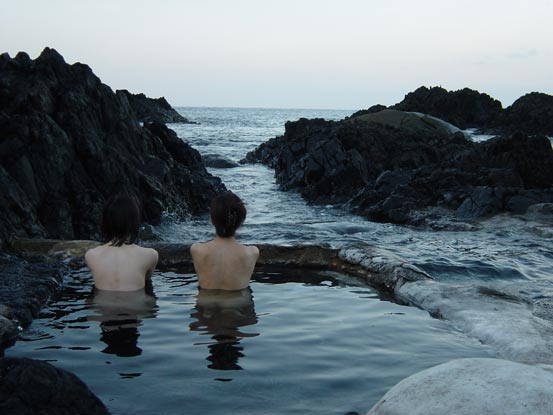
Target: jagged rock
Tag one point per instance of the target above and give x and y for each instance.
(67, 142)
(153, 109)
(370, 110)
(25, 286)
(531, 114)
(472, 386)
(464, 108)
(391, 166)
(34, 387)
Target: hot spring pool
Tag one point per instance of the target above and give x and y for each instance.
(298, 342)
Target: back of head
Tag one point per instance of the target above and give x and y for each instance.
(121, 219)
(227, 214)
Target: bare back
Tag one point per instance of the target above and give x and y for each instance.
(121, 268)
(224, 264)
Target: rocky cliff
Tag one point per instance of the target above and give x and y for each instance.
(392, 166)
(153, 109)
(67, 142)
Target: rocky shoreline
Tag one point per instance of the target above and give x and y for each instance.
(69, 142)
(408, 168)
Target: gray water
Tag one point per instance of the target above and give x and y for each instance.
(300, 343)
(511, 254)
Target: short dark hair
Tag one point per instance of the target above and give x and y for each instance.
(121, 219)
(227, 214)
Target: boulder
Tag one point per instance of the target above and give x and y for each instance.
(34, 387)
(152, 109)
(219, 162)
(67, 142)
(472, 386)
(409, 122)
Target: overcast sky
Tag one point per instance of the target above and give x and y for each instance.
(346, 54)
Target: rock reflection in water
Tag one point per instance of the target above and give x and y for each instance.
(120, 313)
(221, 314)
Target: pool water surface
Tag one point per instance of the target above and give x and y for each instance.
(297, 342)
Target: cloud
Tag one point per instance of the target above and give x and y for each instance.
(523, 54)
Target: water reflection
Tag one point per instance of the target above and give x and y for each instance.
(120, 314)
(221, 314)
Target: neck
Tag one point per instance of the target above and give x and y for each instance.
(225, 239)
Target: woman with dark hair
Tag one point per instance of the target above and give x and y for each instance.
(223, 263)
(120, 264)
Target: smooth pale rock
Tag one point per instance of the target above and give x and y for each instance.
(415, 121)
(470, 387)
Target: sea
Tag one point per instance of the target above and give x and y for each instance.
(493, 279)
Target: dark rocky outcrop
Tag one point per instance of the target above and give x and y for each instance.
(25, 286)
(67, 142)
(394, 171)
(464, 108)
(531, 114)
(31, 387)
(153, 109)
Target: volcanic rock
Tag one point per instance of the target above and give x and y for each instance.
(464, 108)
(153, 109)
(67, 142)
(389, 166)
(34, 387)
(25, 286)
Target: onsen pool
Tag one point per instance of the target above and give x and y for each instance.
(298, 342)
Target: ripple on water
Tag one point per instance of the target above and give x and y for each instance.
(324, 344)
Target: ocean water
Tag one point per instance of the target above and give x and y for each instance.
(493, 280)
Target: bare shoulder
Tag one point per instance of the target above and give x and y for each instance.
(252, 250)
(198, 248)
(92, 254)
(150, 253)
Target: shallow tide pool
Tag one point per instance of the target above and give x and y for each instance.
(298, 342)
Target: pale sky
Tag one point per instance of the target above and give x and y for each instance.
(341, 54)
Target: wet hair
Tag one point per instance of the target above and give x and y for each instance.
(121, 219)
(227, 214)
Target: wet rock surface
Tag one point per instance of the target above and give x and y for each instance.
(392, 167)
(67, 142)
(25, 286)
(31, 387)
(219, 162)
(153, 109)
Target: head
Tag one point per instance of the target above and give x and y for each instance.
(121, 219)
(227, 214)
